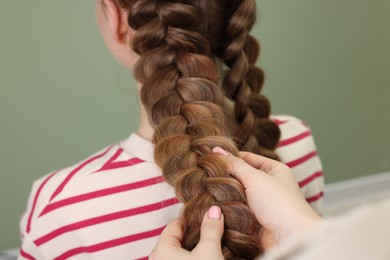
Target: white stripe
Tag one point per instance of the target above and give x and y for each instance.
(297, 150)
(98, 207)
(112, 230)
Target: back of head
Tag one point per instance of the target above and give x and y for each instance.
(194, 106)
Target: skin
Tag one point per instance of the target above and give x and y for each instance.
(117, 35)
(209, 247)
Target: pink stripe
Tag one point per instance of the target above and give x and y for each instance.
(294, 139)
(315, 197)
(301, 160)
(113, 158)
(116, 155)
(67, 179)
(101, 193)
(121, 164)
(278, 122)
(26, 255)
(105, 218)
(110, 244)
(36, 199)
(143, 258)
(309, 179)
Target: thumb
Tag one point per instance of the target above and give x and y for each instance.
(212, 229)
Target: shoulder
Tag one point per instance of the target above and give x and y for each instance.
(86, 176)
(298, 150)
(51, 185)
(109, 190)
(289, 123)
(296, 139)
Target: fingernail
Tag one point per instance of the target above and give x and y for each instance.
(219, 150)
(215, 212)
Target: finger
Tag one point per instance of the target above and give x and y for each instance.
(172, 235)
(169, 244)
(212, 229)
(263, 163)
(240, 169)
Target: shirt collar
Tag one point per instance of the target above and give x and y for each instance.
(139, 147)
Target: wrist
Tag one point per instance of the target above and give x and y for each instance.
(302, 221)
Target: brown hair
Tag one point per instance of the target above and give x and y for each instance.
(193, 108)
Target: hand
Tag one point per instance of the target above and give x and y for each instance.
(208, 248)
(273, 195)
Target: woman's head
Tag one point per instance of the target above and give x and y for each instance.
(193, 104)
(113, 22)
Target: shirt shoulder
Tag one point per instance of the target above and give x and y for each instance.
(112, 190)
(48, 187)
(298, 150)
(109, 167)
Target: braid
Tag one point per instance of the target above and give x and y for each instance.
(176, 41)
(243, 81)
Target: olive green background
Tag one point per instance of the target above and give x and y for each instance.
(62, 96)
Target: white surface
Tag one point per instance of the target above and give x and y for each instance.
(9, 254)
(342, 196)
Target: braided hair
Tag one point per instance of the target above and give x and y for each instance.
(180, 43)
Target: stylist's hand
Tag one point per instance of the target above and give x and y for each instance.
(208, 248)
(273, 195)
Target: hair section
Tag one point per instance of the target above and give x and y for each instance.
(243, 82)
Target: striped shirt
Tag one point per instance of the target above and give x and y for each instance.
(114, 204)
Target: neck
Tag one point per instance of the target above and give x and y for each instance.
(145, 129)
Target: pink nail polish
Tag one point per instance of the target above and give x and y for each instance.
(215, 212)
(219, 150)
